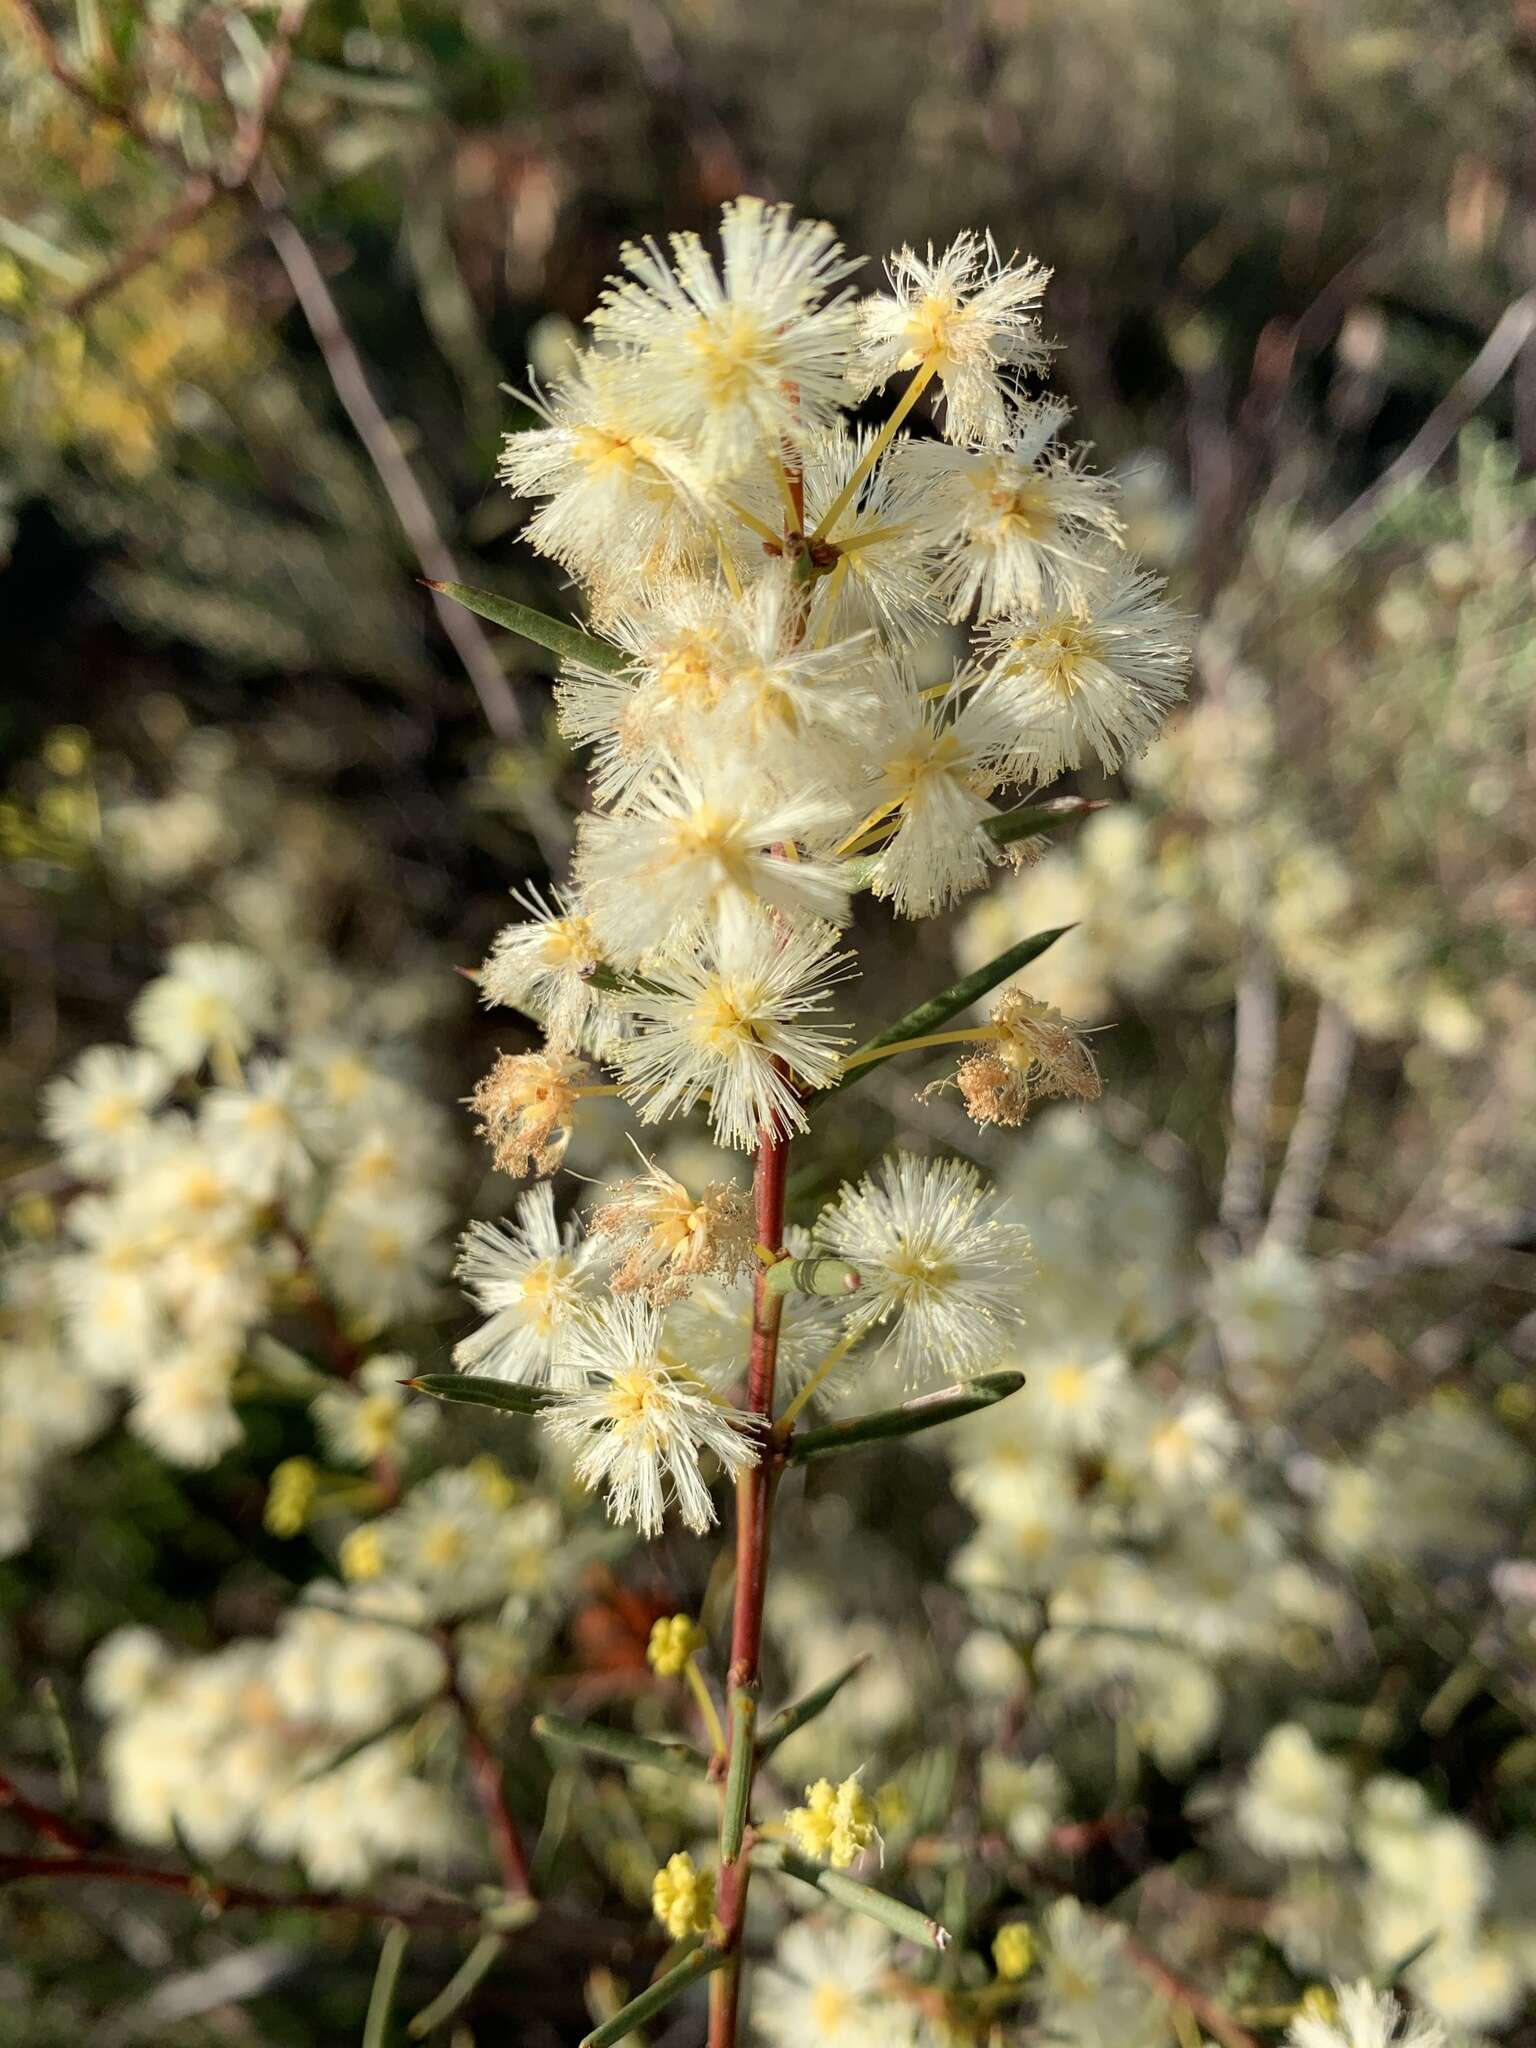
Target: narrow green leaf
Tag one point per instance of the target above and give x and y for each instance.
(406, 1718)
(937, 1011)
(1050, 815)
(619, 1746)
(738, 1783)
(1029, 819)
(569, 642)
(381, 2002)
(460, 1985)
(655, 1997)
(481, 1392)
(833, 1277)
(928, 1411)
(791, 1718)
(902, 1919)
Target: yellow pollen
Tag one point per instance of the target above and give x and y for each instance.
(918, 1270)
(930, 331)
(731, 353)
(719, 1021)
(541, 1292)
(113, 1112)
(636, 1403)
(831, 2006)
(569, 942)
(596, 450)
(1060, 651)
(1068, 1385)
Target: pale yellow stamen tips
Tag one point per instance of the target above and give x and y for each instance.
(527, 1103)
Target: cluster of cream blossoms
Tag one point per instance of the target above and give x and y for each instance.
(762, 570)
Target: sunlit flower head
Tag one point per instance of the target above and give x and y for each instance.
(738, 359)
(1091, 675)
(638, 1426)
(737, 1014)
(527, 1104)
(211, 999)
(545, 968)
(945, 1273)
(970, 319)
(531, 1278)
(99, 1113)
(664, 1238)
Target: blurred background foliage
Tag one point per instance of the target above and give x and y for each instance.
(1295, 245)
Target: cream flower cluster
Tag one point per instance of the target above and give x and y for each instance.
(263, 1743)
(758, 567)
(232, 1174)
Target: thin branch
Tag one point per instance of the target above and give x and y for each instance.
(409, 502)
(251, 136)
(81, 89)
(42, 1820)
(1513, 329)
(1312, 1134)
(1253, 1071)
(489, 1783)
(198, 194)
(218, 1898)
(1215, 2018)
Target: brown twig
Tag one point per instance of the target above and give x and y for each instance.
(1515, 326)
(486, 1777)
(1214, 2017)
(219, 1898)
(197, 195)
(42, 1820)
(754, 1512)
(409, 502)
(1312, 1134)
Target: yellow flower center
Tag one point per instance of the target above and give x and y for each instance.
(731, 349)
(636, 1403)
(1060, 652)
(831, 2007)
(930, 331)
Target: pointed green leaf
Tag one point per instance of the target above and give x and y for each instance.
(569, 642)
(1004, 830)
(902, 1919)
(460, 1985)
(655, 1997)
(1029, 819)
(381, 2002)
(738, 1783)
(792, 1718)
(937, 1011)
(480, 1392)
(620, 1746)
(948, 1404)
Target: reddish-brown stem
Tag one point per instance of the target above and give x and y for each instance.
(754, 1512)
(489, 1785)
(42, 1820)
(226, 1897)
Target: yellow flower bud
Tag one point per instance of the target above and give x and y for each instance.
(835, 1825)
(496, 1487)
(362, 1555)
(674, 1639)
(1013, 1951)
(1318, 2003)
(683, 1898)
(295, 1482)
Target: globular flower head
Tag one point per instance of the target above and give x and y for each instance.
(1363, 2017)
(835, 1825)
(701, 841)
(531, 1277)
(732, 358)
(99, 1113)
(1034, 1056)
(211, 999)
(683, 1897)
(945, 1273)
(674, 1639)
(1089, 673)
(666, 1238)
(737, 1014)
(546, 967)
(969, 318)
(527, 1105)
(640, 1426)
(1013, 1951)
